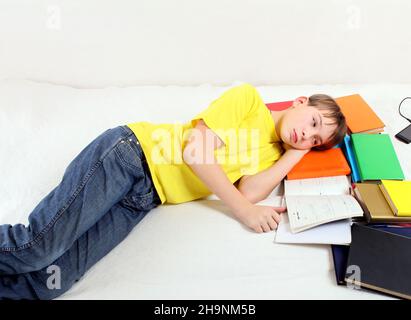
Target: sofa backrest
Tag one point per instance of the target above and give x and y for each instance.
(92, 43)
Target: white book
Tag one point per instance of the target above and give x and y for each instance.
(315, 201)
(337, 232)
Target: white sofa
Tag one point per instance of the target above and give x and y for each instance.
(194, 250)
(97, 64)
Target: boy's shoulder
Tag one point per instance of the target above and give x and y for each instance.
(244, 86)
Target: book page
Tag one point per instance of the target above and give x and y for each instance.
(317, 186)
(305, 212)
(336, 232)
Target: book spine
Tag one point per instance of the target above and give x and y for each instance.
(351, 159)
(388, 199)
(317, 174)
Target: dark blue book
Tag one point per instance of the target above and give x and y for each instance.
(402, 231)
(340, 257)
(379, 260)
(340, 252)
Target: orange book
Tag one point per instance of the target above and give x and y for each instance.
(359, 115)
(317, 164)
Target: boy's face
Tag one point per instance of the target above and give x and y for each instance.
(304, 127)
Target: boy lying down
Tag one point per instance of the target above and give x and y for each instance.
(236, 148)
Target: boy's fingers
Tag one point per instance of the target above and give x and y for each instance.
(265, 227)
(272, 223)
(258, 229)
(276, 217)
(280, 209)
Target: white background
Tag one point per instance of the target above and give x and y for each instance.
(97, 43)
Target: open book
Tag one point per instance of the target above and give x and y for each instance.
(336, 232)
(315, 201)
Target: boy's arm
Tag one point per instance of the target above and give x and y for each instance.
(211, 172)
(258, 218)
(257, 187)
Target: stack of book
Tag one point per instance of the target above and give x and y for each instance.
(377, 257)
(387, 202)
(319, 200)
(354, 198)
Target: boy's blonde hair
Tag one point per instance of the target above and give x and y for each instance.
(325, 102)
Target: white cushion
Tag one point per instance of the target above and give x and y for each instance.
(191, 250)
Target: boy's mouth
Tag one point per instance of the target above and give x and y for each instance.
(294, 136)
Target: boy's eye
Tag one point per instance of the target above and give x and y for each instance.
(314, 122)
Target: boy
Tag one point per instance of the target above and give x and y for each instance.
(234, 149)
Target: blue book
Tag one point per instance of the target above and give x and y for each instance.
(349, 154)
(340, 252)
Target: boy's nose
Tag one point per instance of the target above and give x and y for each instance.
(306, 134)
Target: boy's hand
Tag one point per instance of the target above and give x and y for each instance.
(261, 218)
(297, 153)
(288, 147)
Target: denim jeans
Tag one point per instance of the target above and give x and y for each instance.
(105, 191)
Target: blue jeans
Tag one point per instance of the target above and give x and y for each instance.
(105, 191)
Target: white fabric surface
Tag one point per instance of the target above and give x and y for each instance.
(193, 250)
(184, 42)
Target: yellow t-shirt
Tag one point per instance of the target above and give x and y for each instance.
(242, 121)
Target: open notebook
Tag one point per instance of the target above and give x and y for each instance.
(315, 201)
(336, 232)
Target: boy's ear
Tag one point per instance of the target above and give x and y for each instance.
(300, 101)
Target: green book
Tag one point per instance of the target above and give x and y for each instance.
(376, 157)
